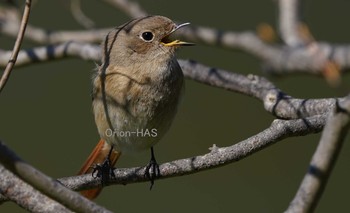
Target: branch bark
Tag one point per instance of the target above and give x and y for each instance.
(276, 58)
(45, 184)
(14, 189)
(294, 56)
(11, 63)
(132, 9)
(323, 160)
(289, 22)
(275, 101)
(278, 130)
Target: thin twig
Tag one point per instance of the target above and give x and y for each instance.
(289, 22)
(132, 9)
(11, 63)
(79, 16)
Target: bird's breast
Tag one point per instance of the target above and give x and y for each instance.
(127, 103)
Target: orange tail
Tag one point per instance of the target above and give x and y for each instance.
(98, 156)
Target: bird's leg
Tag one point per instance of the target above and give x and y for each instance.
(105, 171)
(152, 169)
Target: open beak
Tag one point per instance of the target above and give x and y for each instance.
(166, 40)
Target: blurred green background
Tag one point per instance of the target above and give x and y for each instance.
(46, 116)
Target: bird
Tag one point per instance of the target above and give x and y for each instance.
(136, 92)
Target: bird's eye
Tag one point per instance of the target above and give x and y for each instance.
(147, 36)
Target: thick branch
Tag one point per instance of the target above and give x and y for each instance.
(45, 184)
(278, 130)
(323, 160)
(26, 196)
(275, 101)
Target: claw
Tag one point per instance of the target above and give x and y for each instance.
(105, 171)
(152, 171)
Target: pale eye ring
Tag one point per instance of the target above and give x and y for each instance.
(147, 36)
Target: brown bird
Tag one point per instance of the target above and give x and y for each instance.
(136, 91)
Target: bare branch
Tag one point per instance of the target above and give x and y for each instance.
(13, 188)
(132, 9)
(323, 160)
(275, 101)
(278, 130)
(10, 25)
(296, 55)
(277, 59)
(45, 184)
(52, 52)
(289, 22)
(79, 16)
(11, 63)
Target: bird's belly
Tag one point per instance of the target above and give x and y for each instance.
(138, 127)
(133, 134)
